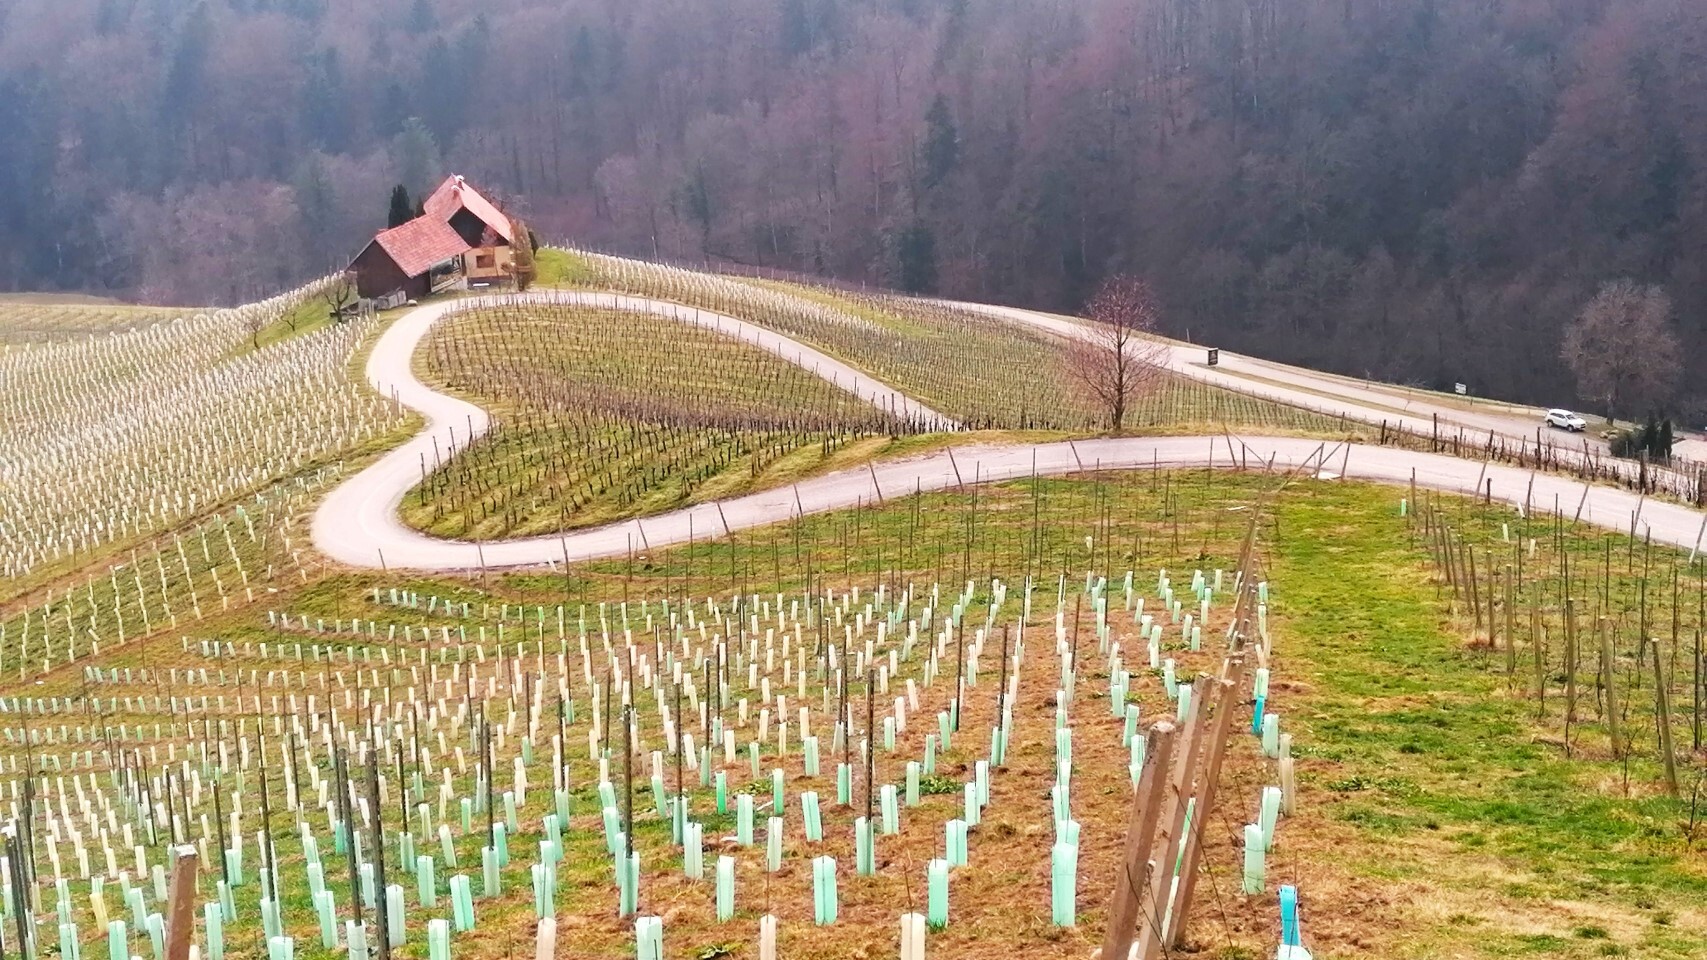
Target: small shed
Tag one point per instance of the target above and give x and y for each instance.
(419, 257)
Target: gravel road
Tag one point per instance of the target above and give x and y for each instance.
(358, 523)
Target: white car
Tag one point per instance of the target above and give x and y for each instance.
(1565, 420)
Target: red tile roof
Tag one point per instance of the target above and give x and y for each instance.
(420, 244)
(454, 194)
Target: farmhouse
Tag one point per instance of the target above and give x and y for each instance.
(461, 239)
(417, 258)
(487, 230)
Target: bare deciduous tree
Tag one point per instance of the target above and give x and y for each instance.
(336, 295)
(1118, 359)
(1623, 350)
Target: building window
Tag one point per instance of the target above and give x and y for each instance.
(483, 260)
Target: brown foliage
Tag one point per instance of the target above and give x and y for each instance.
(1423, 191)
(522, 267)
(1623, 350)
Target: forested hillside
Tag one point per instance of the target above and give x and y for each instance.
(1426, 190)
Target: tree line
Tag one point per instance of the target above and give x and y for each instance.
(1424, 190)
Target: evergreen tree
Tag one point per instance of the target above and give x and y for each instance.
(393, 110)
(915, 259)
(696, 197)
(953, 31)
(323, 99)
(942, 143)
(186, 72)
(402, 211)
(416, 154)
(316, 207)
(583, 63)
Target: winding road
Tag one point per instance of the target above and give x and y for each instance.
(358, 524)
(1342, 396)
(1325, 393)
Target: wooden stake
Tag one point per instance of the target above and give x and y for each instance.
(1127, 905)
(1570, 669)
(1510, 625)
(1608, 665)
(1225, 693)
(1662, 704)
(1162, 853)
(181, 908)
(381, 926)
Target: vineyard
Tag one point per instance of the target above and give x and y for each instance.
(604, 414)
(987, 373)
(163, 424)
(24, 322)
(741, 767)
(755, 743)
(1208, 712)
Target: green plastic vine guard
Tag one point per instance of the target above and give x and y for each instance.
(1268, 815)
(438, 939)
(744, 819)
(1063, 887)
(693, 852)
(323, 909)
(628, 884)
(865, 848)
(394, 914)
(725, 888)
(936, 877)
(1271, 735)
(823, 890)
(955, 832)
(1253, 876)
(462, 903)
(426, 888)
